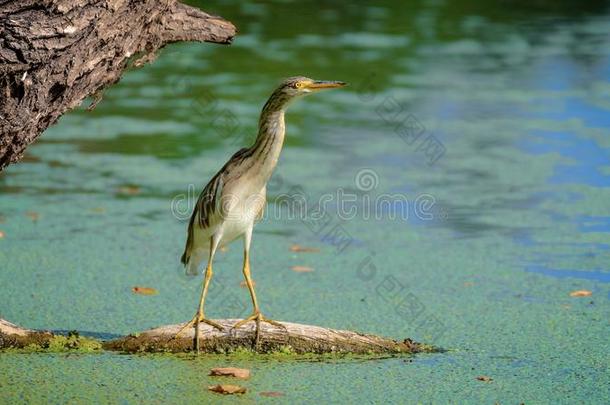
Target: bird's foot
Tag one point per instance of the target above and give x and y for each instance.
(194, 323)
(258, 318)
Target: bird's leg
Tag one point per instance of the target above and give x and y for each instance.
(200, 315)
(256, 315)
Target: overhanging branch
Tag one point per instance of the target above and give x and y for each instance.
(56, 53)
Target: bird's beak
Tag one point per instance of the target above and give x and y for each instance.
(323, 84)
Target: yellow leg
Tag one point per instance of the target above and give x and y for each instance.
(256, 315)
(248, 277)
(200, 315)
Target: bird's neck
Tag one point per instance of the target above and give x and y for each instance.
(269, 142)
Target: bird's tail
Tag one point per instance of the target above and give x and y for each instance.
(185, 256)
(189, 244)
(192, 258)
(191, 268)
(190, 262)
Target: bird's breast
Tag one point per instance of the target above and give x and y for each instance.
(243, 201)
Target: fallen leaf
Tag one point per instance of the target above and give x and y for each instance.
(34, 216)
(98, 210)
(468, 284)
(245, 285)
(271, 394)
(242, 373)
(581, 293)
(1, 234)
(484, 378)
(129, 190)
(303, 249)
(301, 269)
(227, 389)
(145, 290)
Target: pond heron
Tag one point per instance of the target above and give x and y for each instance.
(234, 199)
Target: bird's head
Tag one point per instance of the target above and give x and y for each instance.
(293, 88)
(300, 86)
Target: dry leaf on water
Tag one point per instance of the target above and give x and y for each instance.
(303, 249)
(227, 389)
(242, 373)
(581, 293)
(301, 269)
(271, 394)
(129, 190)
(484, 378)
(34, 216)
(145, 290)
(2, 234)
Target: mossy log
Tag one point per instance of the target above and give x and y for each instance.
(13, 336)
(295, 338)
(55, 53)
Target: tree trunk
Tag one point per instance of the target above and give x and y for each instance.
(55, 53)
(295, 338)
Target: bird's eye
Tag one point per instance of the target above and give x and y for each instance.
(298, 85)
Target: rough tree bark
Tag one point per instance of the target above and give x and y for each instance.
(296, 338)
(55, 53)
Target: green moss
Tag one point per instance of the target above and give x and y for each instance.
(246, 352)
(286, 350)
(60, 343)
(31, 348)
(284, 355)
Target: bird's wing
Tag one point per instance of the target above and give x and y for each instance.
(209, 203)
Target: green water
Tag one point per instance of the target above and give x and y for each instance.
(513, 216)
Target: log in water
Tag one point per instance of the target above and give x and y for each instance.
(295, 338)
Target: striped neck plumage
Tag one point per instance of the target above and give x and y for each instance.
(271, 131)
